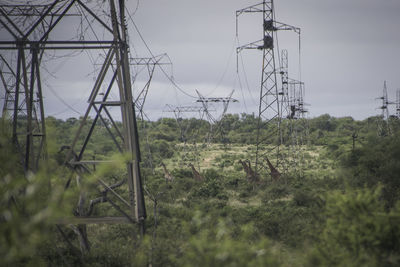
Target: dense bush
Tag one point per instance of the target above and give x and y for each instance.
(358, 231)
(341, 209)
(377, 162)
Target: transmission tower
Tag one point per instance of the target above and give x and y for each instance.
(178, 111)
(215, 123)
(288, 135)
(383, 123)
(293, 126)
(150, 63)
(300, 122)
(189, 149)
(269, 114)
(398, 103)
(32, 32)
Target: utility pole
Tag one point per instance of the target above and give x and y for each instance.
(20, 74)
(354, 136)
(269, 112)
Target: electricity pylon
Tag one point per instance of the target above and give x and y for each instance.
(189, 152)
(383, 123)
(215, 123)
(32, 31)
(288, 135)
(178, 111)
(269, 112)
(293, 126)
(398, 103)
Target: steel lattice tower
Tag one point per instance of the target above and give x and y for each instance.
(398, 103)
(269, 112)
(30, 29)
(383, 124)
(288, 133)
(293, 130)
(215, 123)
(189, 151)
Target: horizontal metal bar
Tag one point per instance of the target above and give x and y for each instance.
(90, 162)
(92, 220)
(250, 9)
(57, 42)
(108, 103)
(61, 47)
(38, 15)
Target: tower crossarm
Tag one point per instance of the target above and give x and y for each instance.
(279, 26)
(217, 99)
(156, 60)
(183, 109)
(253, 45)
(250, 9)
(30, 10)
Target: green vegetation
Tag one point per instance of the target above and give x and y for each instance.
(341, 209)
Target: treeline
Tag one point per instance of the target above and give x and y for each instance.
(161, 136)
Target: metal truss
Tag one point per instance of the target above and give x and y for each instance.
(183, 109)
(294, 126)
(30, 28)
(269, 114)
(178, 111)
(215, 123)
(189, 150)
(287, 133)
(398, 103)
(383, 123)
(149, 63)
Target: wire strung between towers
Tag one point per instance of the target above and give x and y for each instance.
(151, 53)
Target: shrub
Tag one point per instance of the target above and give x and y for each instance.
(358, 231)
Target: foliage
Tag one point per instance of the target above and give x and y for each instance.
(377, 162)
(220, 246)
(341, 209)
(27, 209)
(358, 231)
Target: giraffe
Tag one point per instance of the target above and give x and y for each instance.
(196, 175)
(275, 174)
(168, 177)
(245, 168)
(253, 174)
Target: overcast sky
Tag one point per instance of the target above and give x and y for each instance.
(348, 48)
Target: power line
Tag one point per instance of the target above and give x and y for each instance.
(62, 101)
(151, 53)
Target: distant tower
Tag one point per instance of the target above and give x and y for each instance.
(188, 150)
(215, 123)
(383, 123)
(398, 103)
(288, 112)
(284, 92)
(293, 125)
